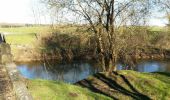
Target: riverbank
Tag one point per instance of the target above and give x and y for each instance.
(29, 54)
(68, 42)
(130, 85)
(119, 85)
(53, 90)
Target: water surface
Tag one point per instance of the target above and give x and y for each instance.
(70, 73)
(76, 71)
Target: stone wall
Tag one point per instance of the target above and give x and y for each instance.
(19, 86)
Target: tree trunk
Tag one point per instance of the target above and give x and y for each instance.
(101, 52)
(103, 63)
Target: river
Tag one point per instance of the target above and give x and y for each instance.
(76, 71)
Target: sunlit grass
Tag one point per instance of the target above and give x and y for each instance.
(22, 35)
(52, 90)
(26, 35)
(23, 30)
(20, 39)
(153, 85)
(157, 28)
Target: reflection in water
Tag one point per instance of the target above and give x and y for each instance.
(70, 73)
(150, 66)
(76, 71)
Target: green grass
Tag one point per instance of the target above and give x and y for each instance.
(21, 39)
(52, 90)
(24, 30)
(133, 85)
(154, 85)
(22, 35)
(156, 28)
(26, 35)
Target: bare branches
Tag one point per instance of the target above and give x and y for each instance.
(105, 17)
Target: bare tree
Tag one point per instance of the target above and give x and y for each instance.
(164, 7)
(108, 20)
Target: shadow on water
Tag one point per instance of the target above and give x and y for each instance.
(113, 85)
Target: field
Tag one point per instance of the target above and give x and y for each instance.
(22, 35)
(157, 28)
(27, 35)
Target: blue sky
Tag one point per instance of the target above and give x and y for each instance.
(21, 11)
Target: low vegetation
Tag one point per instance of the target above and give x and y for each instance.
(68, 42)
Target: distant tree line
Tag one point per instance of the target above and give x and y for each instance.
(2, 25)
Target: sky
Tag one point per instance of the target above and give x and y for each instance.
(15, 11)
(21, 11)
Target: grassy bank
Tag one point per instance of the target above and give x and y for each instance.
(130, 85)
(52, 90)
(121, 85)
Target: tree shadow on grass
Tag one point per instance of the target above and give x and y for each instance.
(87, 84)
(163, 73)
(113, 85)
(162, 76)
(135, 94)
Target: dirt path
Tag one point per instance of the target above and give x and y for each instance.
(6, 91)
